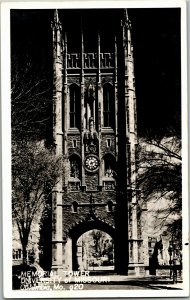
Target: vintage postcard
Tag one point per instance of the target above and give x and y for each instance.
(94, 152)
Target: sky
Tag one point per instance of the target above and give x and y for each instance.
(156, 42)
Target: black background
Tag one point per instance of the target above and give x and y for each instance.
(157, 57)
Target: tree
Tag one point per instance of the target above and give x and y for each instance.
(31, 122)
(159, 178)
(35, 171)
(100, 244)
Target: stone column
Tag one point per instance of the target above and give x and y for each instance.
(58, 141)
(82, 108)
(130, 104)
(116, 101)
(68, 255)
(65, 101)
(100, 109)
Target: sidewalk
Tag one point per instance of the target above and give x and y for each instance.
(158, 281)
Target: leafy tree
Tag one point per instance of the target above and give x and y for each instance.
(35, 171)
(100, 244)
(159, 177)
(34, 168)
(45, 241)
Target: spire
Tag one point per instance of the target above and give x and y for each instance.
(82, 49)
(129, 71)
(56, 17)
(56, 22)
(57, 35)
(58, 80)
(126, 15)
(126, 23)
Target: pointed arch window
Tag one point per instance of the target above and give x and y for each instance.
(75, 106)
(109, 166)
(75, 166)
(108, 105)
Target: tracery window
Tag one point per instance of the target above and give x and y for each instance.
(75, 107)
(108, 105)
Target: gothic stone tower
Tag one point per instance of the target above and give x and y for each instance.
(94, 129)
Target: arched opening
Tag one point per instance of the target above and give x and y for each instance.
(75, 106)
(93, 246)
(108, 106)
(95, 251)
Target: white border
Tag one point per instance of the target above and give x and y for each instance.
(95, 4)
(6, 148)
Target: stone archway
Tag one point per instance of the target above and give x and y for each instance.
(97, 257)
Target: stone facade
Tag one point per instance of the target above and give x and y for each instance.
(94, 130)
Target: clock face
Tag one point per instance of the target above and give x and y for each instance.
(91, 163)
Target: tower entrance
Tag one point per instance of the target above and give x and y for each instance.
(93, 246)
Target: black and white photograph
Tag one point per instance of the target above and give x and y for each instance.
(95, 201)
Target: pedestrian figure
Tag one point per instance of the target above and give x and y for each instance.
(153, 261)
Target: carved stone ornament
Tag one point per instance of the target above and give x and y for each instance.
(91, 138)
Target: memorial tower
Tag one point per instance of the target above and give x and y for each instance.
(94, 130)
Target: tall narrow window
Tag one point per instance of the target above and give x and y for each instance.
(110, 206)
(109, 105)
(75, 106)
(75, 207)
(109, 165)
(75, 166)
